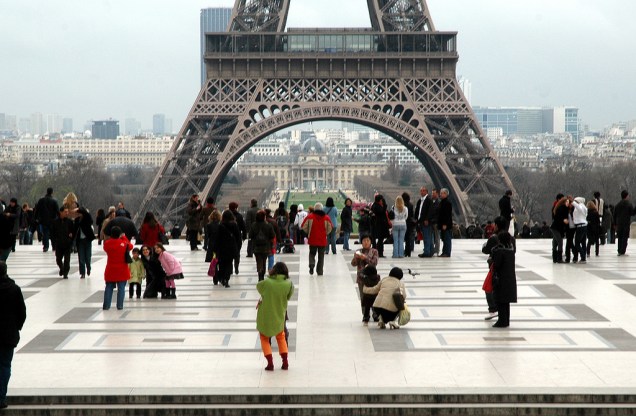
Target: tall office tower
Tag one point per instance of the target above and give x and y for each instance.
(105, 129)
(467, 89)
(67, 125)
(37, 124)
(24, 126)
(158, 124)
(10, 122)
(214, 19)
(132, 127)
(53, 123)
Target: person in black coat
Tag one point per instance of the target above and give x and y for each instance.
(504, 278)
(487, 248)
(226, 246)
(155, 275)
(380, 224)
(45, 213)
(346, 224)
(85, 236)
(240, 223)
(559, 227)
(13, 313)
(505, 207)
(445, 222)
(62, 236)
(594, 229)
(125, 224)
(623, 212)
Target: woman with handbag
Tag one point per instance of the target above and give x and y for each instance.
(504, 278)
(384, 304)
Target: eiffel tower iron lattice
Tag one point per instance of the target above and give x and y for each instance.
(398, 77)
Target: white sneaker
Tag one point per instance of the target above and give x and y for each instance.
(394, 324)
(491, 315)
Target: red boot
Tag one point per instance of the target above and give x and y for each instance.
(270, 362)
(285, 362)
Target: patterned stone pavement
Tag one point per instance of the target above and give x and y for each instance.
(573, 328)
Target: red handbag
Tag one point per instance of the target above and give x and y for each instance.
(212, 269)
(487, 286)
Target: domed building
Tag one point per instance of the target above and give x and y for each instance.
(311, 167)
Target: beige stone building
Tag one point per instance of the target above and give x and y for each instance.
(310, 167)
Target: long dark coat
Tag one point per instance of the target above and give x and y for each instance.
(505, 280)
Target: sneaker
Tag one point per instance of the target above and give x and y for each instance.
(491, 315)
(394, 324)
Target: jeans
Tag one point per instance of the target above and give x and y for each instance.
(270, 261)
(580, 239)
(84, 253)
(46, 235)
(26, 237)
(447, 238)
(436, 244)
(345, 240)
(427, 235)
(261, 260)
(108, 294)
(6, 356)
(399, 233)
(331, 241)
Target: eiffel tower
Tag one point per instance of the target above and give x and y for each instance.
(398, 77)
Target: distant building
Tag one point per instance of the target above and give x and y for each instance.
(105, 129)
(132, 127)
(53, 123)
(214, 19)
(37, 124)
(67, 125)
(158, 124)
(530, 120)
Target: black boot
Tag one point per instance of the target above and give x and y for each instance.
(173, 293)
(554, 256)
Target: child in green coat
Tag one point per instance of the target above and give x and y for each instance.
(275, 292)
(137, 274)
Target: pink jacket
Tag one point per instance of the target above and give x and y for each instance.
(170, 264)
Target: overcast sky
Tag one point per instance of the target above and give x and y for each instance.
(132, 58)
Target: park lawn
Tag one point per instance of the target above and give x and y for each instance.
(309, 199)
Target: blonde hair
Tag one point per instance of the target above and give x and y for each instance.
(399, 203)
(70, 200)
(215, 215)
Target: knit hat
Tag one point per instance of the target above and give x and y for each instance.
(370, 271)
(301, 207)
(396, 272)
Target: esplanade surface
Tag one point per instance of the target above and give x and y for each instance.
(572, 332)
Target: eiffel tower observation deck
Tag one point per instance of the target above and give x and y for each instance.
(398, 77)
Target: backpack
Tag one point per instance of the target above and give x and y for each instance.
(261, 239)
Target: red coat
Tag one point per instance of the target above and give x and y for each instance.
(317, 225)
(150, 235)
(117, 269)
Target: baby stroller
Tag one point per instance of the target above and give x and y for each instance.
(287, 246)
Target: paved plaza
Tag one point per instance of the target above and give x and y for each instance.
(573, 329)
